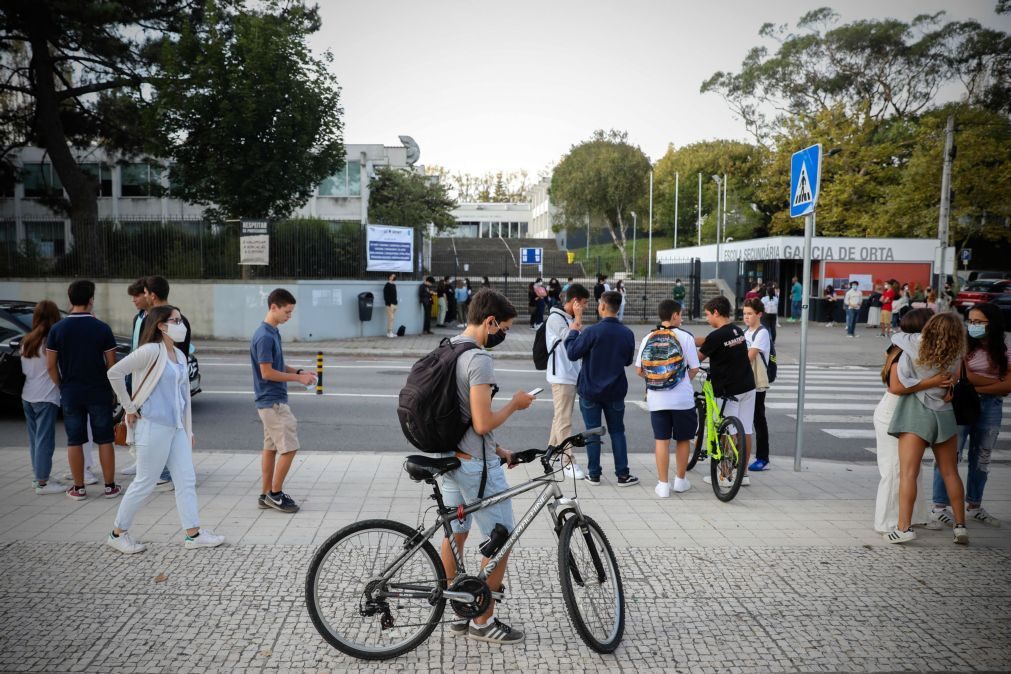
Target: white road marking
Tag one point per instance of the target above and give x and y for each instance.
(872, 450)
(863, 433)
(834, 418)
(374, 366)
(821, 406)
(822, 396)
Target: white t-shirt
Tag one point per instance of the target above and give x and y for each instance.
(561, 370)
(771, 304)
(39, 388)
(682, 396)
(759, 339)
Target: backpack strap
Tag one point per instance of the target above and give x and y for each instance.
(555, 311)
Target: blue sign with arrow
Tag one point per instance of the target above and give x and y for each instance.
(805, 179)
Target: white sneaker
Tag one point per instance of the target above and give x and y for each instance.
(662, 489)
(981, 515)
(164, 485)
(724, 482)
(682, 484)
(89, 477)
(124, 543)
(573, 470)
(204, 539)
(129, 470)
(897, 536)
(390, 335)
(940, 519)
(961, 535)
(50, 487)
(746, 481)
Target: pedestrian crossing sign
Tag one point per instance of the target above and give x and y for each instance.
(805, 178)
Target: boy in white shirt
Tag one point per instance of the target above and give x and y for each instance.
(668, 369)
(563, 373)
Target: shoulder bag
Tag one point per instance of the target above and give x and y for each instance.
(121, 429)
(965, 400)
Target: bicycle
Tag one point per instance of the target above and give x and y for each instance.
(377, 589)
(722, 438)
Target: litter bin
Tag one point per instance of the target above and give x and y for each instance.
(365, 302)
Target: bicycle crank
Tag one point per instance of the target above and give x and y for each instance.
(478, 589)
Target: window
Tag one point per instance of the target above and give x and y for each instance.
(140, 180)
(46, 237)
(103, 175)
(345, 183)
(40, 180)
(9, 330)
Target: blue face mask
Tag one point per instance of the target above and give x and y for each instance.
(977, 331)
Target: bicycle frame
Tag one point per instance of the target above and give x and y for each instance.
(714, 417)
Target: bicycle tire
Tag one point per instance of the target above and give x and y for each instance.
(575, 568)
(700, 436)
(729, 467)
(327, 600)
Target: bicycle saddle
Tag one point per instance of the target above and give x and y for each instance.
(421, 468)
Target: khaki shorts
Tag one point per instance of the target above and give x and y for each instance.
(280, 429)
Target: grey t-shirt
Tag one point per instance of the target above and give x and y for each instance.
(912, 373)
(474, 368)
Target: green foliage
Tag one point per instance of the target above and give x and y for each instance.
(250, 117)
(409, 199)
(603, 178)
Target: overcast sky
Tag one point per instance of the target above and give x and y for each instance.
(486, 85)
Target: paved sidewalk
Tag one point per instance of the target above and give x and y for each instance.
(788, 577)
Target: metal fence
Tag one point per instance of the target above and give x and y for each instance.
(181, 249)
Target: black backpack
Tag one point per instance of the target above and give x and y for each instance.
(429, 408)
(770, 367)
(541, 352)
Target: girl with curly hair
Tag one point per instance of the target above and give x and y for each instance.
(987, 369)
(926, 418)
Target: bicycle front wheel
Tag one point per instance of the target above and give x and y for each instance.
(727, 472)
(591, 584)
(349, 604)
(700, 435)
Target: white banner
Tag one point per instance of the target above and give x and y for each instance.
(254, 244)
(389, 248)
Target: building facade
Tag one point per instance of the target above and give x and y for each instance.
(487, 220)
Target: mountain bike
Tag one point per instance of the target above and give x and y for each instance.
(722, 438)
(377, 588)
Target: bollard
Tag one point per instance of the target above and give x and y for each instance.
(319, 373)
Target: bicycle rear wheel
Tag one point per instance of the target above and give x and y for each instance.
(726, 473)
(700, 436)
(347, 604)
(591, 584)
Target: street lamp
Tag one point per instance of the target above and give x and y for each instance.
(719, 185)
(633, 241)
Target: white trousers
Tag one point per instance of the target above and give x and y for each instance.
(886, 507)
(157, 446)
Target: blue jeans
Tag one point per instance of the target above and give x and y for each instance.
(795, 310)
(851, 321)
(41, 420)
(981, 438)
(614, 415)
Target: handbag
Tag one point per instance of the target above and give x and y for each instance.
(121, 431)
(761, 374)
(965, 400)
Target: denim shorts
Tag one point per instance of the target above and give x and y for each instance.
(77, 414)
(674, 424)
(461, 486)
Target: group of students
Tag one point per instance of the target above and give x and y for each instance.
(70, 364)
(445, 300)
(928, 355)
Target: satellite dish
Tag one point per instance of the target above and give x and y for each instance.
(413, 151)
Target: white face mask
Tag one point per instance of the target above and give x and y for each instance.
(176, 333)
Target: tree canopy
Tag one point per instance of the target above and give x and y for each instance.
(408, 199)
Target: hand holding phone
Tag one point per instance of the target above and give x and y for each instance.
(535, 392)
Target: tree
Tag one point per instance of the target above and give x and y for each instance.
(87, 66)
(250, 118)
(603, 177)
(497, 187)
(409, 199)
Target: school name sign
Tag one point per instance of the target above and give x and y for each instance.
(834, 253)
(830, 249)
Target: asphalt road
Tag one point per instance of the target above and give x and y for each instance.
(358, 409)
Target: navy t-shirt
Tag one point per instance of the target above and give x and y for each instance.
(266, 348)
(81, 342)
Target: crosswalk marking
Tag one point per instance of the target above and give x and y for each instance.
(865, 434)
(823, 396)
(821, 406)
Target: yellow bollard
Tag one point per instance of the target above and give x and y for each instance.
(319, 373)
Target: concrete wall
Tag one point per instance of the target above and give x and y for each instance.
(232, 310)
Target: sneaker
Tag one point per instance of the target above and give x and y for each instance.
(124, 543)
(284, 503)
(76, 494)
(681, 485)
(746, 481)
(594, 480)
(724, 482)
(940, 519)
(961, 535)
(204, 539)
(89, 477)
(129, 470)
(261, 502)
(113, 491)
(897, 536)
(496, 632)
(50, 488)
(460, 627)
(627, 480)
(662, 489)
(978, 514)
(759, 465)
(391, 335)
(164, 485)
(573, 470)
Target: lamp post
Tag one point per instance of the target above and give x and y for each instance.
(633, 241)
(719, 185)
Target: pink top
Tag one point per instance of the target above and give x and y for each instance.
(979, 362)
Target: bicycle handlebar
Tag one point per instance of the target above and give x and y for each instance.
(549, 454)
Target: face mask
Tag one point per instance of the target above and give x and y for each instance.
(176, 333)
(977, 331)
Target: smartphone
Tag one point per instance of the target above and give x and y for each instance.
(534, 392)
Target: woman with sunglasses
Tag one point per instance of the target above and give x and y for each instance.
(159, 423)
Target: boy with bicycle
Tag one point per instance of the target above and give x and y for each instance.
(730, 369)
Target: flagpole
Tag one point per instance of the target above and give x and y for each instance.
(675, 209)
(698, 224)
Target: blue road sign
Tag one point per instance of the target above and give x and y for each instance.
(966, 254)
(805, 178)
(530, 255)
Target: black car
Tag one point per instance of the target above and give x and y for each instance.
(1003, 301)
(16, 322)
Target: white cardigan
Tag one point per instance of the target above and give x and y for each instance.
(137, 364)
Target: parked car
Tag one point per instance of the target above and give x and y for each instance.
(977, 275)
(977, 292)
(16, 322)
(1003, 302)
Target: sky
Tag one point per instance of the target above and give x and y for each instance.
(486, 86)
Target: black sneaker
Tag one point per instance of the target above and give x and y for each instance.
(261, 502)
(284, 503)
(496, 632)
(593, 480)
(627, 480)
